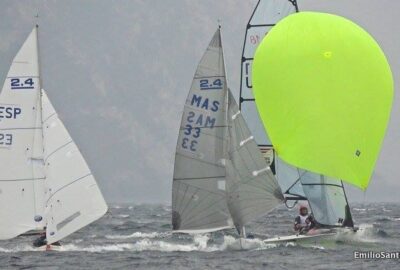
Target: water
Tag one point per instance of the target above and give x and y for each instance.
(139, 237)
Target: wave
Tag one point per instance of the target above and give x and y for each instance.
(139, 235)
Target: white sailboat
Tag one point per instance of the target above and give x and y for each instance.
(326, 196)
(44, 180)
(220, 180)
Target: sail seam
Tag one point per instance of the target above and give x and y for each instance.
(22, 179)
(59, 148)
(61, 188)
(51, 115)
(27, 128)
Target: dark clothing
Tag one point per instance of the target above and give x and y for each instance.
(41, 241)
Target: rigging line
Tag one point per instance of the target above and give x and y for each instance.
(59, 148)
(66, 185)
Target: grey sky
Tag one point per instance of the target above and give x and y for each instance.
(118, 73)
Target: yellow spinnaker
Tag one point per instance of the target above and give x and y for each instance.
(324, 90)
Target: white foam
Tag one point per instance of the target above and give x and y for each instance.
(138, 235)
(231, 243)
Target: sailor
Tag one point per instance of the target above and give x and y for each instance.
(304, 222)
(42, 241)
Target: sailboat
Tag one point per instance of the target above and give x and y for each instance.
(325, 195)
(45, 182)
(314, 173)
(220, 180)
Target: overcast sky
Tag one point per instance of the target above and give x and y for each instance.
(118, 73)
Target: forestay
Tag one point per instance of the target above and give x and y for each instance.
(21, 167)
(198, 196)
(73, 198)
(252, 189)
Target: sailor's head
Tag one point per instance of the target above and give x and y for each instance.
(303, 210)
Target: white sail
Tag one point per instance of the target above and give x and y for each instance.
(73, 198)
(220, 176)
(252, 189)
(265, 15)
(198, 196)
(21, 166)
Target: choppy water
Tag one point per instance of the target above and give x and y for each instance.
(139, 237)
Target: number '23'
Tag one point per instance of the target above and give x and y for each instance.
(5, 139)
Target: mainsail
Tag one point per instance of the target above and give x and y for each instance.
(220, 177)
(198, 195)
(326, 196)
(43, 176)
(21, 172)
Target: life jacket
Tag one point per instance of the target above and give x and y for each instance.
(301, 220)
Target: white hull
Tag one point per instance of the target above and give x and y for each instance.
(319, 236)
